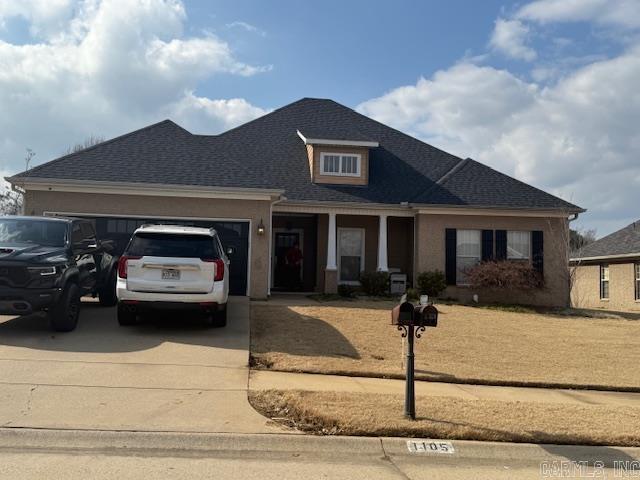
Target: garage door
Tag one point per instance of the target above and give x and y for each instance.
(232, 234)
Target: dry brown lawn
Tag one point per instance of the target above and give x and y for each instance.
(450, 418)
(470, 345)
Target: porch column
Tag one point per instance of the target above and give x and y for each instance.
(382, 244)
(331, 243)
(331, 271)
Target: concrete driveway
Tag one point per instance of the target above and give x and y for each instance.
(169, 375)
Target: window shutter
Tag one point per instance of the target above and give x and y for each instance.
(450, 255)
(537, 250)
(487, 245)
(501, 244)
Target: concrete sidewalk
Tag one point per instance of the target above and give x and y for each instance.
(265, 380)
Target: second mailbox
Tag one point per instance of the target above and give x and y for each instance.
(425, 316)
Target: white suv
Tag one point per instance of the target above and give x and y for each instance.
(169, 266)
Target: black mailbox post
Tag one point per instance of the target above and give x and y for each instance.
(412, 321)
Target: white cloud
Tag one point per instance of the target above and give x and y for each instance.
(619, 13)
(509, 37)
(115, 65)
(45, 17)
(578, 138)
(201, 115)
(248, 27)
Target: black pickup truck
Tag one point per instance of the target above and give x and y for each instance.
(48, 263)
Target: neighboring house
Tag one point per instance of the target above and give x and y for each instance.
(356, 195)
(606, 273)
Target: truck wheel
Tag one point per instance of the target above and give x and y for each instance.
(126, 316)
(218, 318)
(63, 316)
(107, 294)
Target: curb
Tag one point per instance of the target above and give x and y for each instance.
(267, 445)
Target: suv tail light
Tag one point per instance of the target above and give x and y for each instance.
(219, 267)
(122, 265)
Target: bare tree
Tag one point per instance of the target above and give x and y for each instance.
(10, 202)
(569, 244)
(88, 142)
(581, 238)
(27, 159)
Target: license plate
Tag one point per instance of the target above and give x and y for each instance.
(170, 274)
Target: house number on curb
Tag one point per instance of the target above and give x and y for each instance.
(430, 446)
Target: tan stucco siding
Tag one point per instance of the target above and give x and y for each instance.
(317, 150)
(585, 292)
(38, 202)
(430, 254)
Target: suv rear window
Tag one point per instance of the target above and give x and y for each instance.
(172, 245)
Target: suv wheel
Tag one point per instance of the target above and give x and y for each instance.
(219, 317)
(107, 294)
(126, 316)
(63, 316)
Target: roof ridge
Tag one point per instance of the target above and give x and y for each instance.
(448, 174)
(261, 117)
(528, 185)
(388, 127)
(92, 147)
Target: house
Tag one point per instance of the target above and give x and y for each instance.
(354, 194)
(606, 273)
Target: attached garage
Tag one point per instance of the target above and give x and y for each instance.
(118, 211)
(232, 234)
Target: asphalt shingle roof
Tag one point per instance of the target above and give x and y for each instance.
(623, 242)
(268, 153)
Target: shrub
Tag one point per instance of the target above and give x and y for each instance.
(375, 284)
(507, 275)
(347, 291)
(431, 283)
(412, 294)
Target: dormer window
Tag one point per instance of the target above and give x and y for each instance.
(340, 164)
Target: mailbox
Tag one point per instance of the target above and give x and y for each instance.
(402, 314)
(426, 316)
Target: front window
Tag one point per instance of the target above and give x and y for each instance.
(48, 233)
(518, 245)
(637, 278)
(468, 253)
(340, 164)
(604, 282)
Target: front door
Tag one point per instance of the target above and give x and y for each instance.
(287, 272)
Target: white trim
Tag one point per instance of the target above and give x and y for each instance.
(345, 209)
(146, 189)
(160, 217)
(341, 156)
(362, 253)
(383, 261)
(497, 212)
(406, 210)
(340, 143)
(331, 243)
(605, 257)
(299, 231)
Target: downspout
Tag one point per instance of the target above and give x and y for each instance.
(278, 200)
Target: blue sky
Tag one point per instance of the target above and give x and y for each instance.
(543, 90)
